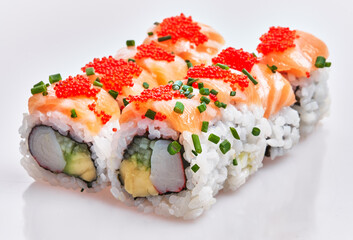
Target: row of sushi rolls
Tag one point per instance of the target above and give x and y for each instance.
(169, 123)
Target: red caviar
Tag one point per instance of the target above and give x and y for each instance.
(116, 74)
(153, 51)
(100, 114)
(161, 93)
(237, 59)
(277, 39)
(215, 72)
(307, 74)
(75, 87)
(181, 27)
(114, 129)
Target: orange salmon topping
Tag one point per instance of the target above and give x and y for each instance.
(277, 39)
(104, 117)
(215, 72)
(161, 93)
(153, 51)
(181, 27)
(116, 74)
(75, 87)
(236, 59)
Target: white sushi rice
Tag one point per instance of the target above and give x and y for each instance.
(100, 147)
(215, 167)
(284, 132)
(313, 98)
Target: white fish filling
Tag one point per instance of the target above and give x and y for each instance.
(167, 172)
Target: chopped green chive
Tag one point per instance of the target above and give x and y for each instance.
(256, 131)
(98, 80)
(179, 107)
(204, 127)
(174, 147)
(171, 81)
(39, 89)
(54, 78)
(195, 168)
(181, 91)
(45, 93)
(165, 38)
(82, 189)
(214, 92)
(185, 87)
(47, 84)
(249, 76)
(205, 100)
(126, 102)
(188, 63)
(113, 93)
(223, 66)
(195, 153)
(205, 91)
(150, 33)
(145, 85)
(234, 133)
(327, 64)
(156, 23)
(254, 55)
(214, 138)
(191, 81)
(130, 43)
(273, 68)
(98, 84)
(233, 93)
(41, 83)
(197, 144)
(200, 85)
(73, 113)
(186, 93)
(190, 96)
(235, 162)
(89, 71)
(150, 114)
(224, 146)
(131, 60)
(320, 62)
(202, 107)
(177, 85)
(220, 104)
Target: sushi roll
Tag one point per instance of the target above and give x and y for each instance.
(120, 77)
(162, 65)
(67, 134)
(301, 58)
(240, 103)
(190, 40)
(276, 94)
(176, 147)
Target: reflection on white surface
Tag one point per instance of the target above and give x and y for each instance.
(278, 202)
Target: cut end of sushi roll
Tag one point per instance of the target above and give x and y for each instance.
(150, 169)
(61, 154)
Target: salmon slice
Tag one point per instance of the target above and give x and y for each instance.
(225, 81)
(124, 77)
(93, 111)
(274, 90)
(190, 120)
(298, 58)
(162, 65)
(189, 40)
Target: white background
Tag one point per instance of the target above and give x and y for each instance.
(307, 194)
